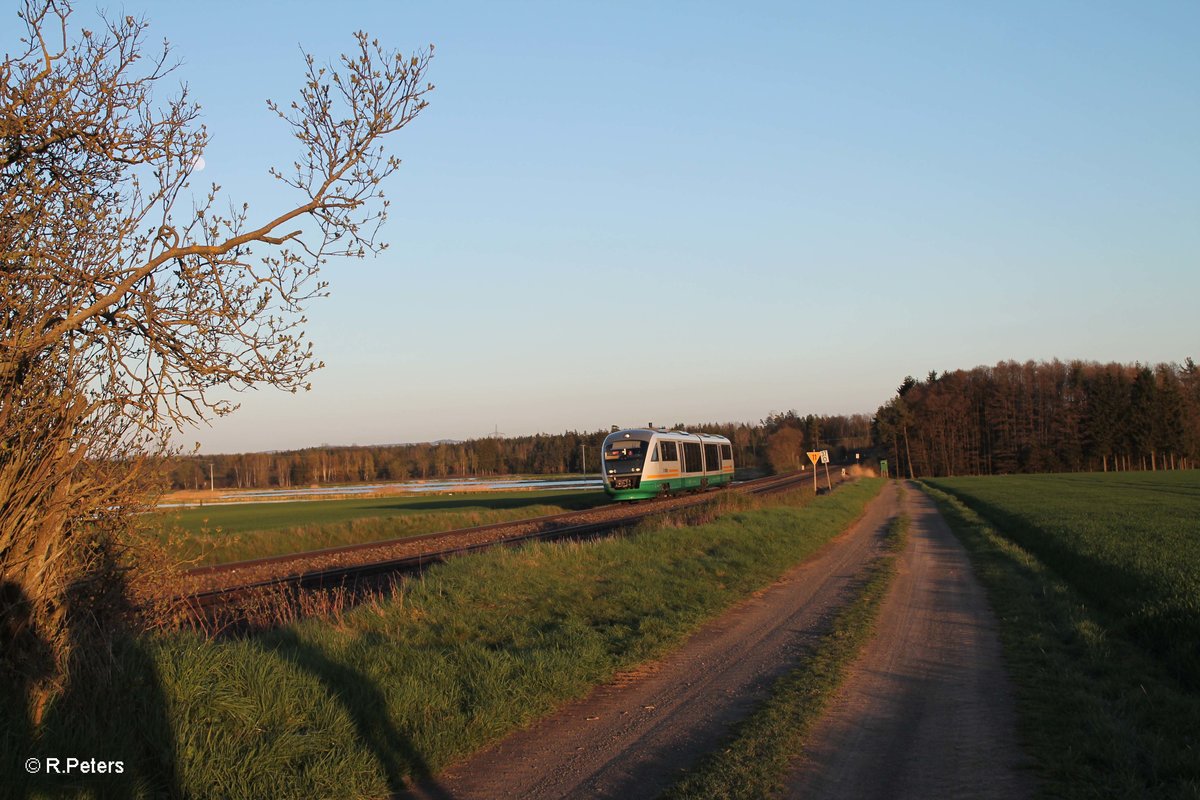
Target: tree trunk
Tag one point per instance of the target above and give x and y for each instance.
(58, 580)
(908, 454)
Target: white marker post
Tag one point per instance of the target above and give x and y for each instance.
(825, 461)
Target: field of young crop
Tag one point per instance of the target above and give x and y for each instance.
(1127, 542)
(1093, 582)
(220, 533)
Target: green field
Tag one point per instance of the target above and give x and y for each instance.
(234, 532)
(1094, 581)
(1128, 542)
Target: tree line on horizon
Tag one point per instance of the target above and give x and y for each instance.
(1043, 417)
(774, 444)
(1009, 418)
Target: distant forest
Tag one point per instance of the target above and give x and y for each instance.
(1043, 417)
(775, 444)
(1013, 417)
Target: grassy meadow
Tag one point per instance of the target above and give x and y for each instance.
(215, 534)
(1095, 579)
(474, 648)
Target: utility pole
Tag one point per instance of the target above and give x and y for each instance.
(211, 486)
(583, 458)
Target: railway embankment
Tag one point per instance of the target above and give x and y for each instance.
(266, 592)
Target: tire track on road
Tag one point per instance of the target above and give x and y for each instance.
(927, 710)
(633, 737)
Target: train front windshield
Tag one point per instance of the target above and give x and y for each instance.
(625, 455)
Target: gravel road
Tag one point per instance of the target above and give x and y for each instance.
(631, 738)
(927, 710)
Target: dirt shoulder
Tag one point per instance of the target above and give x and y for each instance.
(927, 710)
(632, 738)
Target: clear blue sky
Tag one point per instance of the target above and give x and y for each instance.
(843, 193)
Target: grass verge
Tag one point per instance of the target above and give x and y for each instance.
(759, 752)
(353, 705)
(1099, 715)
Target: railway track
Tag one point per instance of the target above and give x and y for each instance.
(219, 588)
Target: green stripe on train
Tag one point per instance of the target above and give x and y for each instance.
(649, 489)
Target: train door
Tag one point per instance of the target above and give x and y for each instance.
(712, 462)
(693, 462)
(670, 468)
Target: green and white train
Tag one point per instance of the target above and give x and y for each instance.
(641, 463)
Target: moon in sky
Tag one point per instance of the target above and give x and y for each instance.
(198, 164)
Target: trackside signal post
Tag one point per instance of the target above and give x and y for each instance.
(814, 457)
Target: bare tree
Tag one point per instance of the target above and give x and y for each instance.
(127, 300)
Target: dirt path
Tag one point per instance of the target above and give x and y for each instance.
(632, 738)
(927, 710)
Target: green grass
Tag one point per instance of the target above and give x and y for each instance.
(1101, 713)
(254, 517)
(477, 647)
(759, 753)
(1129, 543)
(221, 533)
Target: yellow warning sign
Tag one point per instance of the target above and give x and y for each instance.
(814, 457)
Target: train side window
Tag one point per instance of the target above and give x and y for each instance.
(727, 452)
(669, 451)
(691, 457)
(712, 457)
